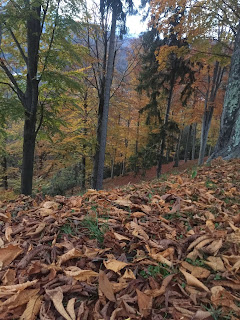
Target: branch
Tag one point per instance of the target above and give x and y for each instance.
(13, 80)
(51, 41)
(44, 17)
(8, 84)
(18, 45)
(41, 120)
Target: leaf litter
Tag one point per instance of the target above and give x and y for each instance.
(158, 250)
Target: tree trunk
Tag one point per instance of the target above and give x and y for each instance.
(228, 144)
(209, 107)
(83, 167)
(29, 138)
(176, 163)
(4, 176)
(194, 140)
(207, 117)
(162, 143)
(102, 138)
(113, 163)
(31, 100)
(187, 143)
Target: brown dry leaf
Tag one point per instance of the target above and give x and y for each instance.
(56, 295)
(193, 281)
(17, 287)
(106, 287)
(70, 308)
(114, 265)
(18, 299)
(201, 315)
(128, 274)
(8, 233)
(9, 277)
(210, 225)
(159, 292)
(118, 286)
(123, 202)
(138, 231)
(144, 303)
(50, 205)
(221, 297)
(214, 247)
(215, 263)
(44, 212)
(39, 229)
(197, 241)
(197, 272)
(79, 274)
(71, 254)
(33, 308)
(120, 237)
(1, 243)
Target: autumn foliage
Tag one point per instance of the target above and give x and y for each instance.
(165, 249)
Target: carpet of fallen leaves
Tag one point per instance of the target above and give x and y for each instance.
(159, 250)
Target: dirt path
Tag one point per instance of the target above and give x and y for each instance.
(150, 174)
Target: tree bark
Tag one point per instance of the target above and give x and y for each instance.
(162, 143)
(194, 140)
(228, 144)
(176, 160)
(102, 134)
(210, 97)
(187, 143)
(4, 176)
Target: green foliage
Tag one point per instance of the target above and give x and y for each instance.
(153, 271)
(63, 180)
(96, 230)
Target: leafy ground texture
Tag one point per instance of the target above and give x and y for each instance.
(158, 250)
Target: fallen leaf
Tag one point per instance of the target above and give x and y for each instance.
(193, 281)
(114, 265)
(33, 308)
(106, 287)
(56, 295)
(9, 253)
(144, 303)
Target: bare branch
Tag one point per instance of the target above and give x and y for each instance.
(18, 45)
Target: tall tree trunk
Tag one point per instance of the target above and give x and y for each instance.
(29, 139)
(100, 156)
(4, 176)
(194, 140)
(83, 167)
(228, 144)
(211, 94)
(187, 143)
(207, 117)
(162, 143)
(176, 157)
(31, 100)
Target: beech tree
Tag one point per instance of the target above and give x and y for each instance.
(35, 41)
(228, 144)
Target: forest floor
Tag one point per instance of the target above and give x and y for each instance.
(131, 178)
(156, 250)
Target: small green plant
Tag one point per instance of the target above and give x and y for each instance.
(96, 231)
(197, 262)
(194, 174)
(67, 229)
(218, 277)
(217, 313)
(210, 185)
(171, 216)
(154, 271)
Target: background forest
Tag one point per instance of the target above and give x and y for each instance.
(81, 100)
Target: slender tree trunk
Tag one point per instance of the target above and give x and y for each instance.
(113, 163)
(194, 140)
(29, 139)
(228, 144)
(31, 100)
(207, 117)
(176, 162)
(4, 176)
(83, 167)
(187, 143)
(162, 143)
(100, 156)
(211, 94)
(209, 151)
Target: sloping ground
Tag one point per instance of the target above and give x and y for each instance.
(150, 174)
(160, 250)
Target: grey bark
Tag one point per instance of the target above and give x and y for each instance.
(194, 140)
(213, 86)
(187, 143)
(176, 157)
(228, 144)
(102, 132)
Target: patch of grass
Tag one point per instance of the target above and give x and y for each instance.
(96, 230)
(217, 313)
(197, 262)
(67, 229)
(153, 271)
(171, 216)
(210, 185)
